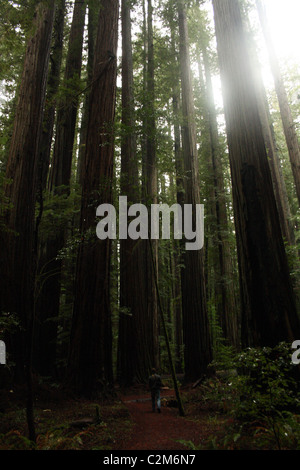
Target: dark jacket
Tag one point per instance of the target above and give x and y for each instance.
(155, 382)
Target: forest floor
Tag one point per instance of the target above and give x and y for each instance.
(123, 420)
(167, 430)
(126, 421)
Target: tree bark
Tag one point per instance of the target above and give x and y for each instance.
(44, 352)
(151, 190)
(67, 110)
(179, 171)
(226, 304)
(285, 110)
(280, 192)
(279, 186)
(268, 307)
(90, 361)
(133, 345)
(52, 88)
(18, 258)
(196, 337)
(93, 12)
(60, 175)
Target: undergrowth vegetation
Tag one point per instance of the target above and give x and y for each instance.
(250, 401)
(66, 425)
(258, 391)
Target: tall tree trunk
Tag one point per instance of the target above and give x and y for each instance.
(144, 110)
(285, 110)
(179, 170)
(18, 259)
(93, 12)
(60, 174)
(227, 301)
(133, 357)
(90, 361)
(197, 352)
(151, 190)
(41, 342)
(268, 307)
(279, 186)
(22, 169)
(52, 88)
(67, 112)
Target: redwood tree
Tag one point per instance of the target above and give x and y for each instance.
(18, 241)
(151, 193)
(93, 12)
(90, 361)
(285, 110)
(268, 308)
(18, 257)
(196, 337)
(51, 98)
(60, 174)
(133, 346)
(226, 301)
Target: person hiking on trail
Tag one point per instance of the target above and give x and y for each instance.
(155, 385)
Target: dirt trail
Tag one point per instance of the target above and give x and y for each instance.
(154, 431)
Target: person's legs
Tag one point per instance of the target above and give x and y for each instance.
(158, 400)
(153, 395)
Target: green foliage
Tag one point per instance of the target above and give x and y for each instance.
(14, 440)
(7, 114)
(4, 202)
(294, 264)
(9, 323)
(57, 430)
(256, 396)
(16, 22)
(59, 210)
(291, 79)
(268, 385)
(189, 444)
(16, 19)
(262, 396)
